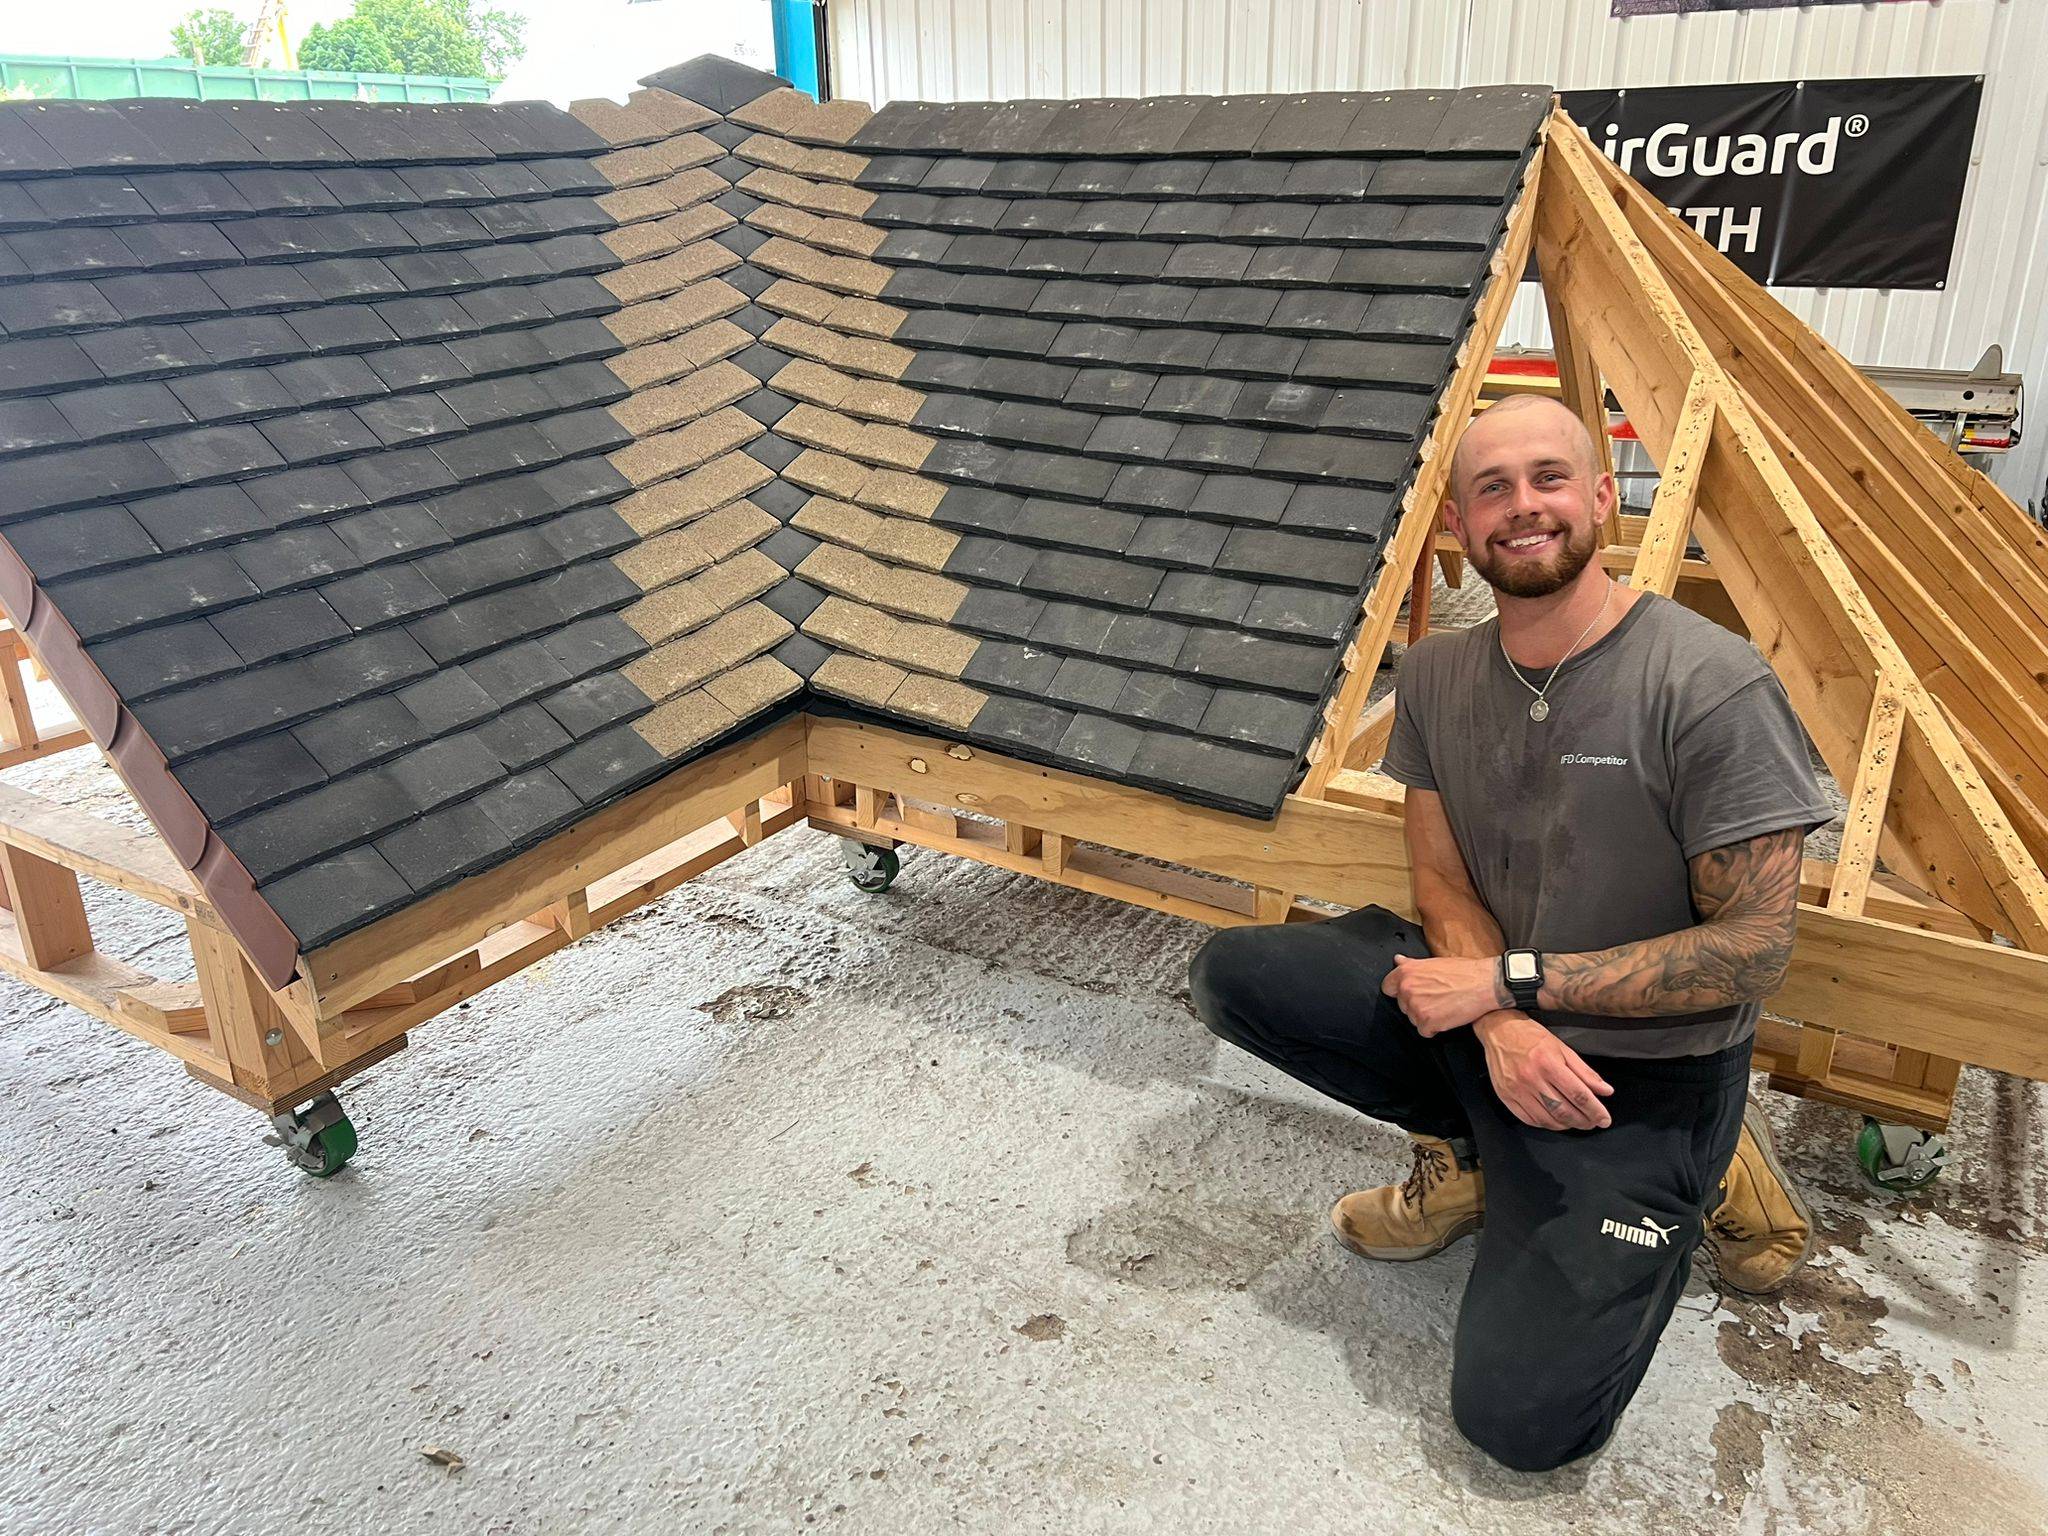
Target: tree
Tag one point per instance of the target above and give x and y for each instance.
(420, 37)
(351, 45)
(210, 37)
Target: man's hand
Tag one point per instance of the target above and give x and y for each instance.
(1445, 993)
(1543, 1081)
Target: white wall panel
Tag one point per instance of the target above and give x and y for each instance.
(963, 50)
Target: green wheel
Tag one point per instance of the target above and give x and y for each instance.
(1900, 1158)
(333, 1148)
(317, 1140)
(875, 871)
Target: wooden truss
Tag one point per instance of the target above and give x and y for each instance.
(1901, 598)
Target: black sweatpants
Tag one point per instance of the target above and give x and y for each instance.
(1589, 1235)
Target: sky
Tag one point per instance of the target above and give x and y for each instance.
(575, 48)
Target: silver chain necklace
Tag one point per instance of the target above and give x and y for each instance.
(1539, 707)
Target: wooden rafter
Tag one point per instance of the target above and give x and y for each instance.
(1420, 508)
(1802, 604)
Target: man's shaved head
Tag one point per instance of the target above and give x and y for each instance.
(1527, 498)
(1511, 418)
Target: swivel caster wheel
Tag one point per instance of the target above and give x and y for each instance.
(1900, 1158)
(319, 1139)
(872, 869)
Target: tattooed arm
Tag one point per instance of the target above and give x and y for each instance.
(1747, 895)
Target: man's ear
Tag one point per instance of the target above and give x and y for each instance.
(1452, 520)
(1603, 499)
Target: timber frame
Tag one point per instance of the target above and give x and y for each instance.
(1902, 599)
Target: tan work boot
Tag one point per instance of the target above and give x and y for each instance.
(1439, 1202)
(1762, 1231)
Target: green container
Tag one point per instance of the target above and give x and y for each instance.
(75, 79)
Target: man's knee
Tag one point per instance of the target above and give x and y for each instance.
(1221, 978)
(1526, 1431)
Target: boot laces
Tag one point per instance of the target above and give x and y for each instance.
(1431, 1168)
(1729, 1229)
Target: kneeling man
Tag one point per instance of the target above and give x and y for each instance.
(1607, 797)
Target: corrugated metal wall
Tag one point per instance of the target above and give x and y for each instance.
(940, 50)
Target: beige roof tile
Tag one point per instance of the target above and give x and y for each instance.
(833, 123)
(827, 472)
(658, 319)
(723, 643)
(733, 527)
(938, 700)
(670, 112)
(866, 317)
(874, 442)
(673, 610)
(858, 678)
(891, 490)
(811, 382)
(846, 236)
(657, 237)
(667, 557)
(632, 205)
(656, 362)
(729, 583)
(766, 149)
(684, 723)
(785, 297)
(882, 402)
(753, 686)
(818, 196)
(669, 274)
(851, 626)
(918, 594)
(826, 517)
(695, 395)
(688, 497)
(671, 453)
(831, 165)
(778, 111)
(790, 223)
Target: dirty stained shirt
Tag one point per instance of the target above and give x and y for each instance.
(1667, 737)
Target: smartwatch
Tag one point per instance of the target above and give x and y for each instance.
(1521, 972)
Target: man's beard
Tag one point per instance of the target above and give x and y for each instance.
(1532, 578)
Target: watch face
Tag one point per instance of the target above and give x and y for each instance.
(1521, 965)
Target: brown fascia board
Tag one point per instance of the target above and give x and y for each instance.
(270, 946)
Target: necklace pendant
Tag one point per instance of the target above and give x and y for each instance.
(1539, 709)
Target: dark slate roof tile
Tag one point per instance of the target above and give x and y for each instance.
(351, 737)
(527, 805)
(84, 540)
(1262, 719)
(1191, 595)
(275, 627)
(231, 393)
(1026, 723)
(607, 764)
(257, 773)
(151, 660)
(523, 736)
(277, 562)
(1228, 125)
(441, 845)
(1103, 745)
(1161, 697)
(991, 612)
(336, 893)
(1209, 771)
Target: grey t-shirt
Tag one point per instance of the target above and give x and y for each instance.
(1667, 737)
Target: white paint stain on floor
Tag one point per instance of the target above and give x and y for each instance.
(784, 1207)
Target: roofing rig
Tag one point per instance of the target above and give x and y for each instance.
(447, 517)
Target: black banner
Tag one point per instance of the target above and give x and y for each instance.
(1814, 183)
(1689, 7)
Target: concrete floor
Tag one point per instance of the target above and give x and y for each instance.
(779, 1206)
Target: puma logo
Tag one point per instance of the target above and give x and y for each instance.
(1649, 1235)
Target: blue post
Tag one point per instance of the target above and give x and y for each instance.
(796, 43)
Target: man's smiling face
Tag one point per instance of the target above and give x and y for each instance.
(1525, 499)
